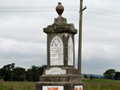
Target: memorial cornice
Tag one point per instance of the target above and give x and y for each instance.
(60, 26)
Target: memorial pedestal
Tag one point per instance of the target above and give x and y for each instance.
(60, 73)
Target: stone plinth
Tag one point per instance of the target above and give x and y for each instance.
(65, 85)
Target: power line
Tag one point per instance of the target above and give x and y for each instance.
(103, 9)
(92, 12)
(91, 9)
(29, 9)
(111, 1)
(37, 9)
(26, 10)
(110, 13)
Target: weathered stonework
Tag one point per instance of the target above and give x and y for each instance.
(64, 31)
(60, 57)
(60, 26)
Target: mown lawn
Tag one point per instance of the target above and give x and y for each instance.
(95, 84)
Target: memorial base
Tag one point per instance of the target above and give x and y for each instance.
(59, 86)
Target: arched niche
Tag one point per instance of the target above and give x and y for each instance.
(56, 52)
(70, 51)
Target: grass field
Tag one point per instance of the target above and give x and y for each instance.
(102, 84)
(95, 84)
(16, 85)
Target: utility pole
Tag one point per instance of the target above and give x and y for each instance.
(80, 37)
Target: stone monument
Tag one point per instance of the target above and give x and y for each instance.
(60, 73)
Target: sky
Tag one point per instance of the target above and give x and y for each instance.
(23, 42)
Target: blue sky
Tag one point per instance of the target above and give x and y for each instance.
(23, 42)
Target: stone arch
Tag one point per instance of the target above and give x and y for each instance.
(56, 51)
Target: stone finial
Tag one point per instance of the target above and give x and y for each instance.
(59, 9)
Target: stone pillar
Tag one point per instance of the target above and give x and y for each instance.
(60, 72)
(60, 43)
(60, 48)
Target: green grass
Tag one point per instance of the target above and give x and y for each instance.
(95, 84)
(102, 84)
(16, 85)
(100, 80)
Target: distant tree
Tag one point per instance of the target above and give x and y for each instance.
(18, 74)
(91, 76)
(6, 71)
(9, 72)
(109, 74)
(34, 72)
(117, 76)
(0, 73)
(85, 76)
(41, 71)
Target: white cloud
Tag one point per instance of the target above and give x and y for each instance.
(22, 52)
(11, 47)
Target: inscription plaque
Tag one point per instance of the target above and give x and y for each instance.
(55, 70)
(70, 51)
(56, 51)
(52, 88)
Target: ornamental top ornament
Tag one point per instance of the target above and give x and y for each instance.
(59, 9)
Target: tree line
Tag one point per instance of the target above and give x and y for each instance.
(112, 74)
(108, 74)
(11, 73)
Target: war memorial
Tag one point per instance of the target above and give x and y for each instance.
(60, 73)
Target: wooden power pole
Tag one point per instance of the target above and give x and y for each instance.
(80, 37)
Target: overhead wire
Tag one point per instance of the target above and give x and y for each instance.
(108, 10)
(110, 1)
(92, 12)
(44, 8)
(101, 11)
(91, 9)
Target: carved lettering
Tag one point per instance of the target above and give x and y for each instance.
(56, 51)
